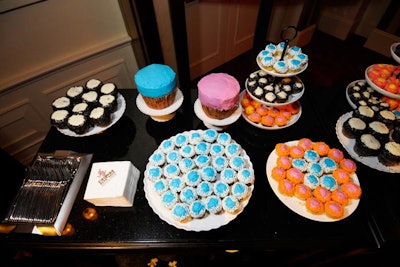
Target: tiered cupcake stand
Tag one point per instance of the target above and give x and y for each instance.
(372, 94)
(293, 98)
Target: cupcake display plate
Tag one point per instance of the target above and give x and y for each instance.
(293, 119)
(348, 144)
(215, 123)
(379, 89)
(274, 73)
(115, 116)
(392, 52)
(297, 205)
(155, 113)
(209, 221)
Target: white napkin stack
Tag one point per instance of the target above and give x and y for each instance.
(112, 184)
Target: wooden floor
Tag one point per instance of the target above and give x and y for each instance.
(332, 63)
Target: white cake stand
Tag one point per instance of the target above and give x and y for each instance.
(216, 124)
(160, 115)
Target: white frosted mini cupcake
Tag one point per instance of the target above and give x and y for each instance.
(232, 149)
(246, 176)
(221, 189)
(186, 165)
(268, 62)
(311, 180)
(157, 158)
(188, 195)
(180, 212)
(173, 157)
(224, 138)
(315, 168)
(219, 163)
(181, 140)
(208, 173)
(154, 173)
(169, 199)
(328, 164)
(195, 137)
(187, 151)
(329, 182)
(192, 178)
(197, 209)
(161, 186)
(280, 66)
(300, 164)
(311, 155)
(167, 145)
(228, 175)
(171, 170)
(210, 135)
(237, 163)
(204, 189)
(216, 150)
(239, 190)
(176, 184)
(202, 160)
(202, 148)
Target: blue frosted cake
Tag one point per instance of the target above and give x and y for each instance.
(311, 180)
(328, 164)
(300, 164)
(311, 155)
(315, 168)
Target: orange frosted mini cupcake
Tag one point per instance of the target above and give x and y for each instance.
(322, 148)
(294, 175)
(314, 205)
(286, 187)
(281, 120)
(322, 194)
(336, 154)
(284, 161)
(352, 190)
(334, 209)
(267, 120)
(305, 144)
(341, 176)
(348, 165)
(273, 112)
(340, 197)
(254, 117)
(302, 191)
(278, 173)
(282, 149)
(296, 152)
(262, 110)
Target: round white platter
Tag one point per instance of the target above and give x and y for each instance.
(274, 73)
(209, 222)
(115, 116)
(392, 49)
(160, 112)
(348, 144)
(297, 205)
(377, 88)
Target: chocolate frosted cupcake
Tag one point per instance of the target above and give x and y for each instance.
(367, 145)
(365, 113)
(59, 118)
(108, 102)
(93, 85)
(379, 130)
(75, 93)
(78, 124)
(353, 127)
(100, 117)
(61, 103)
(390, 155)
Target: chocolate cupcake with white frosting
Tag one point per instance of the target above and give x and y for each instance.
(109, 89)
(75, 93)
(59, 118)
(379, 130)
(61, 103)
(390, 155)
(78, 124)
(108, 102)
(367, 145)
(353, 127)
(365, 113)
(100, 117)
(93, 85)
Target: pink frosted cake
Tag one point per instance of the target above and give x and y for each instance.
(218, 95)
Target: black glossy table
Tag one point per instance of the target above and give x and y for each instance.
(266, 224)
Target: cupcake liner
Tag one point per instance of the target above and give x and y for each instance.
(160, 102)
(218, 114)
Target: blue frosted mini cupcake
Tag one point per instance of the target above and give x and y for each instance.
(224, 139)
(219, 163)
(228, 175)
(161, 186)
(208, 173)
(154, 173)
(315, 168)
(210, 135)
(202, 160)
(180, 212)
(280, 66)
(169, 199)
(176, 184)
(311, 155)
(311, 180)
(221, 189)
(230, 204)
(213, 204)
(187, 151)
(204, 189)
(173, 157)
(216, 150)
(167, 145)
(186, 165)
(232, 149)
(195, 137)
(197, 209)
(240, 190)
(181, 140)
(329, 182)
(171, 170)
(328, 164)
(188, 195)
(192, 178)
(202, 148)
(300, 164)
(246, 176)
(157, 158)
(237, 163)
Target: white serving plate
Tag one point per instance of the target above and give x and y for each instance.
(276, 74)
(348, 144)
(115, 116)
(209, 222)
(377, 88)
(299, 206)
(396, 57)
